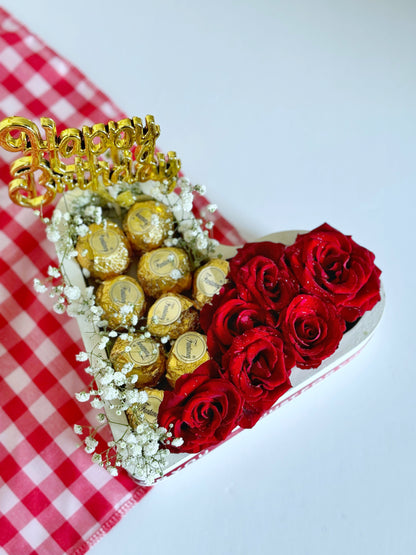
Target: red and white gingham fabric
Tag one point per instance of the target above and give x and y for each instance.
(53, 499)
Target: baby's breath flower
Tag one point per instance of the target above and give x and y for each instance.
(81, 356)
(97, 403)
(82, 230)
(103, 342)
(177, 442)
(112, 470)
(212, 208)
(72, 292)
(78, 429)
(142, 397)
(54, 272)
(52, 235)
(59, 307)
(90, 444)
(119, 378)
(82, 396)
(109, 393)
(38, 286)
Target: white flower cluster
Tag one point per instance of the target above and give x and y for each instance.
(140, 454)
(141, 451)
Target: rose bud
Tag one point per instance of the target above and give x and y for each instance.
(313, 327)
(332, 266)
(202, 410)
(259, 364)
(232, 317)
(261, 275)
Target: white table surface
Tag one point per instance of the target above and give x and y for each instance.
(292, 114)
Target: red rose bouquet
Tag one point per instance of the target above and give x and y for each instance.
(281, 307)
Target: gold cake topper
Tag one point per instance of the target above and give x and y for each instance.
(91, 158)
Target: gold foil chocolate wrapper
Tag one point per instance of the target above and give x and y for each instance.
(164, 270)
(148, 410)
(115, 293)
(189, 352)
(147, 225)
(208, 280)
(104, 251)
(146, 355)
(172, 315)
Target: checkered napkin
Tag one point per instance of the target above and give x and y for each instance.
(53, 499)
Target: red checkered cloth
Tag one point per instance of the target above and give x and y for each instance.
(53, 499)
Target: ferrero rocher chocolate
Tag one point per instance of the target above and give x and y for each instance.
(121, 298)
(104, 251)
(189, 352)
(146, 355)
(172, 315)
(147, 225)
(208, 280)
(164, 270)
(148, 410)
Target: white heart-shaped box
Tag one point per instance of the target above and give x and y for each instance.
(351, 344)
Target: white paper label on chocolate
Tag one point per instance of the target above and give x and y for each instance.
(190, 347)
(141, 220)
(123, 291)
(210, 280)
(167, 310)
(163, 262)
(105, 242)
(143, 352)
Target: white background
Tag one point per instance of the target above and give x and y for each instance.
(291, 113)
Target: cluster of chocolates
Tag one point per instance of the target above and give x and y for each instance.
(166, 293)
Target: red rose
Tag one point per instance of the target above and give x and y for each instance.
(229, 317)
(203, 409)
(261, 275)
(259, 365)
(331, 265)
(313, 327)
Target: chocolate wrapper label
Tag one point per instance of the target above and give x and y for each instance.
(190, 347)
(162, 262)
(141, 220)
(210, 280)
(148, 410)
(143, 352)
(151, 407)
(104, 242)
(167, 310)
(122, 292)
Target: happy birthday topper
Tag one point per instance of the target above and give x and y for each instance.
(91, 158)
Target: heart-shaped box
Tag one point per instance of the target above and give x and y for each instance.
(276, 313)
(351, 344)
